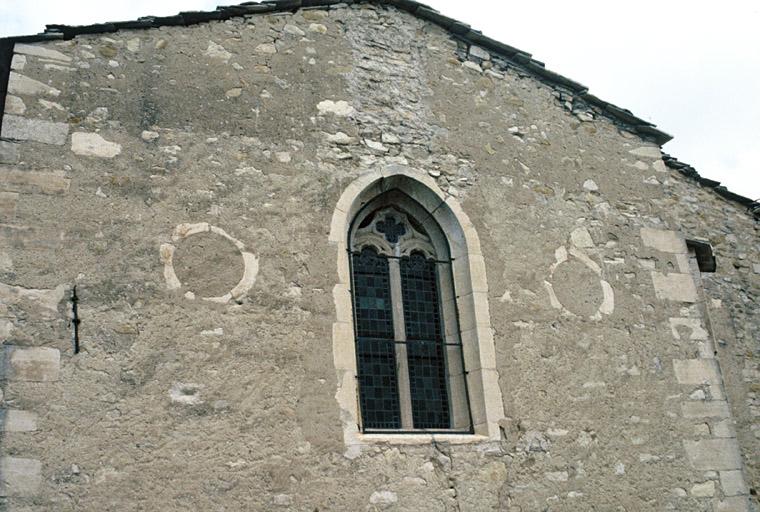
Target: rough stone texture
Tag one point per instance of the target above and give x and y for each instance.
(19, 476)
(156, 413)
(92, 144)
(35, 364)
(20, 128)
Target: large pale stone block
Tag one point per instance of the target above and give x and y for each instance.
(664, 241)
(37, 130)
(14, 105)
(733, 483)
(713, 454)
(40, 51)
(8, 152)
(25, 86)
(34, 364)
(14, 180)
(14, 420)
(92, 144)
(8, 201)
(19, 477)
(710, 409)
(733, 504)
(697, 371)
(675, 287)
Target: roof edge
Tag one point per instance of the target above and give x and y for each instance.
(460, 31)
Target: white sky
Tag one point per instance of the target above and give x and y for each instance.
(692, 67)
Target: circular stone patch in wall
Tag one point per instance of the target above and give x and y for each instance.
(207, 262)
(576, 287)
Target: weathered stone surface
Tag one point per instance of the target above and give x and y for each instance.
(713, 454)
(92, 144)
(733, 483)
(662, 240)
(15, 180)
(32, 364)
(19, 477)
(14, 105)
(675, 287)
(37, 130)
(14, 420)
(733, 504)
(711, 409)
(18, 62)
(25, 86)
(8, 152)
(40, 51)
(697, 371)
(339, 108)
(703, 490)
(8, 202)
(246, 398)
(647, 151)
(217, 51)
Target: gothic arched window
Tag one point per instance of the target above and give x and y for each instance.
(410, 364)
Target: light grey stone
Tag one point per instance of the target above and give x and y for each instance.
(40, 51)
(675, 287)
(37, 130)
(31, 364)
(711, 409)
(663, 240)
(14, 105)
(383, 498)
(713, 454)
(8, 152)
(25, 86)
(703, 490)
(339, 108)
(580, 237)
(293, 30)
(477, 51)
(733, 483)
(732, 504)
(590, 185)
(18, 62)
(19, 421)
(19, 477)
(647, 151)
(217, 51)
(697, 371)
(92, 144)
(15, 180)
(724, 428)
(148, 135)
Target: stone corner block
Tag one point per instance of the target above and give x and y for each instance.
(19, 476)
(36, 130)
(663, 241)
(697, 371)
(674, 286)
(733, 504)
(713, 454)
(14, 420)
(31, 364)
(733, 483)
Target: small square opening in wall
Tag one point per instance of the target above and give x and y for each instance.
(703, 252)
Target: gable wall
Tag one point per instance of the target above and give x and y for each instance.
(179, 403)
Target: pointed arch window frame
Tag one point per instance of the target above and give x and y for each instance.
(469, 276)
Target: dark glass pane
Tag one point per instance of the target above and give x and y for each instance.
(375, 347)
(427, 365)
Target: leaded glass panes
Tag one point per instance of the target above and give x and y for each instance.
(376, 355)
(426, 359)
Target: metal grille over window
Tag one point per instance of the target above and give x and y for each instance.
(424, 342)
(376, 353)
(410, 364)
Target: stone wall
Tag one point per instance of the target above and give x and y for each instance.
(157, 169)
